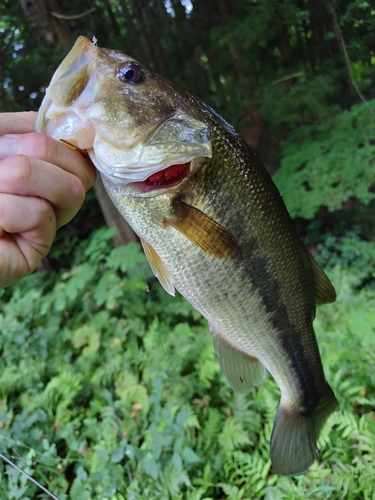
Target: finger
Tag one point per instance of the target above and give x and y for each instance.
(28, 176)
(45, 148)
(27, 230)
(17, 123)
(19, 214)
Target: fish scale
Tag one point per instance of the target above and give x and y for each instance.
(220, 235)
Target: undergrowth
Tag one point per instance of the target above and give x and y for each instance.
(110, 389)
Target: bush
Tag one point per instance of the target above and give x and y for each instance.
(328, 164)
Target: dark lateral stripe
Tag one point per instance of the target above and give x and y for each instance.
(234, 201)
(257, 269)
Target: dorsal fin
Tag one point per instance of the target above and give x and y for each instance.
(324, 290)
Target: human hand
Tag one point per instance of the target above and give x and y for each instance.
(42, 187)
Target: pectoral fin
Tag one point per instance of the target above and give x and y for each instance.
(158, 268)
(203, 231)
(242, 371)
(324, 291)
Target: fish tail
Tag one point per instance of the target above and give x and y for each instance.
(295, 434)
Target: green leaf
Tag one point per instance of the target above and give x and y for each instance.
(182, 417)
(177, 461)
(118, 454)
(151, 468)
(190, 456)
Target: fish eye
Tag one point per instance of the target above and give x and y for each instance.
(130, 72)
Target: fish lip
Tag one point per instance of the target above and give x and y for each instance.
(82, 52)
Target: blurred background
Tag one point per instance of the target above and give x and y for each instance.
(109, 388)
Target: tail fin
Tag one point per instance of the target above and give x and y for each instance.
(295, 434)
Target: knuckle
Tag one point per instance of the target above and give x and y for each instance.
(40, 209)
(77, 191)
(43, 145)
(23, 170)
(47, 224)
(38, 144)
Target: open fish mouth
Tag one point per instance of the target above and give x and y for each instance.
(163, 157)
(143, 178)
(164, 178)
(167, 178)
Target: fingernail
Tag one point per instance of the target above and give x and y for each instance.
(8, 146)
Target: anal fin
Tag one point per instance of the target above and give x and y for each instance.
(158, 267)
(242, 371)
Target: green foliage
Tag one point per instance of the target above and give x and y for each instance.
(326, 165)
(352, 252)
(109, 389)
(307, 101)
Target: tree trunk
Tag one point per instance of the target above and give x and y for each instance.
(166, 21)
(134, 35)
(138, 14)
(112, 18)
(39, 17)
(153, 31)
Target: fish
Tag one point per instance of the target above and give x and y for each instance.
(212, 224)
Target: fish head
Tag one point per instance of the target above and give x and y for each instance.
(142, 132)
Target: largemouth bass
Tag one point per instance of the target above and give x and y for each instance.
(212, 225)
